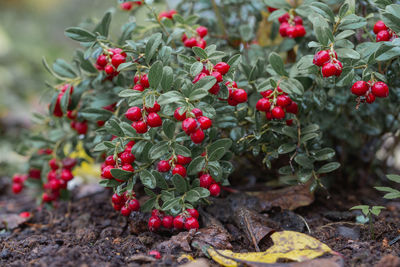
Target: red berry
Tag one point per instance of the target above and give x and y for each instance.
(155, 108)
(232, 84)
(17, 188)
(117, 60)
(110, 160)
(171, 13)
(126, 6)
(217, 76)
(197, 112)
(155, 254)
(179, 169)
(267, 93)
(284, 18)
(106, 172)
(379, 26)
(191, 223)
(34, 173)
(198, 136)
(193, 212)
(215, 89)
(101, 60)
(127, 158)
(53, 164)
(359, 88)
(134, 205)
(289, 122)
(199, 77)
(167, 221)
(136, 79)
(383, 36)
(154, 120)
(291, 31)
(298, 20)
(321, 58)
(263, 104)
(57, 108)
(283, 29)
(206, 180)
(144, 80)
(179, 117)
(380, 89)
(370, 98)
(140, 126)
(222, 68)
(183, 160)
(205, 123)
(191, 42)
(117, 199)
(268, 115)
(339, 68)
(81, 127)
(202, 31)
(201, 43)
(163, 166)
(128, 168)
(138, 87)
(134, 114)
(163, 14)
(329, 69)
(68, 163)
(154, 223)
(292, 108)
(215, 189)
(46, 198)
(54, 184)
(52, 175)
(184, 37)
(271, 9)
(19, 179)
(109, 69)
(179, 222)
(66, 175)
(300, 31)
(240, 95)
(25, 214)
(189, 125)
(125, 211)
(278, 113)
(117, 207)
(283, 101)
(157, 213)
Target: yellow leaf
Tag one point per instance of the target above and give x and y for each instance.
(88, 168)
(289, 245)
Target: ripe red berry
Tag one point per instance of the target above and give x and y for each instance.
(183, 160)
(215, 89)
(126, 6)
(144, 80)
(191, 223)
(217, 76)
(380, 89)
(17, 188)
(179, 169)
(284, 18)
(198, 77)
(283, 29)
(101, 60)
(205, 123)
(370, 98)
(117, 199)
(359, 88)
(198, 136)
(117, 207)
(57, 108)
(271, 9)
(154, 223)
(231, 84)
(127, 158)
(191, 42)
(138, 87)
(263, 104)
(134, 114)
(155, 254)
(19, 179)
(52, 175)
(197, 112)
(117, 60)
(163, 166)
(134, 205)
(240, 95)
(291, 32)
(379, 26)
(283, 101)
(298, 20)
(321, 58)
(155, 108)
(109, 69)
(167, 221)
(189, 125)
(128, 168)
(202, 43)
(154, 120)
(179, 222)
(125, 211)
(54, 184)
(46, 198)
(278, 113)
(171, 13)
(81, 127)
(66, 175)
(267, 93)
(206, 180)
(25, 214)
(110, 160)
(339, 68)
(215, 189)
(179, 117)
(222, 68)
(53, 164)
(106, 172)
(329, 69)
(292, 108)
(383, 36)
(202, 31)
(157, 213)
(300, 31)
(140, 126)
(193, 212)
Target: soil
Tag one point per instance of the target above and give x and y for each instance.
(86, 231)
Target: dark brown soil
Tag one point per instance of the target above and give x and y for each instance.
(88, 232)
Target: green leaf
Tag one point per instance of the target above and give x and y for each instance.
(277, 4)
(196, 68)
(217, 154)
(148, 179)
(167, 78)
(196, 165)
(394, 177)
(343, 10)
(152, 45)
(310, 129)
(155, 74)
(329, 167)
(80, 34)
(225, 143)
(104, 25)
(121, 174)
(148, 205)
(179, 183)
(203, 192)
(182, 150)
(324, 154)
(200, 52)
(160, 180)
(170, 97)
(169, 128)
(347, 53)
(304, 175)
(246, 32)
(95, 114)
(323, 10)
(109, 183)
(192, 196)
(130, 93)
(169, 204)
(376, 210)
(286, 148)
(344, 34)
(112, 126)
(158, 150)
(308, 137)
(64, 69)
(363, 208)
(390, 54)
(205, 83)
(65, 99)
(304, 161)
(277, 64)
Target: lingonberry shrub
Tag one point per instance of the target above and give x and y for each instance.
(166, 107)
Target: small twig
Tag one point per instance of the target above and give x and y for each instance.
(394, 240)
(305, 222)
(249, 228)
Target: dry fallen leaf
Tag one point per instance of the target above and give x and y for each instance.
(289, 245)
(11, 221)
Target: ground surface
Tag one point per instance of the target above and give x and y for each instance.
(87, 232)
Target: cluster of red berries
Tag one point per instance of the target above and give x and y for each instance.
(194, 125)
(327, 59)
(110, 61)
(291, 26)
(275, 104)
(129, 5)
(198, 40)
(187, 220)
(236, 95)
(144, 118)
(141, 82)
(383, 33)
(125, 203)
(80, 127)
(177, 162)
(18, 181)
(368, 91)
(124, 162)
(57, 178)
(167, 14)
(217, 71)
(206, 181)
(57, 108)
